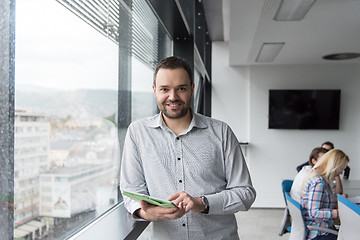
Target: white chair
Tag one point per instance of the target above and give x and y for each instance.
(298, 228)
(349, 214)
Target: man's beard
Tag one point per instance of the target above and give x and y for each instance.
(170, 114)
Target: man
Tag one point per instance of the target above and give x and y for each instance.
(327, 145)
(296, 187)
(184, 157)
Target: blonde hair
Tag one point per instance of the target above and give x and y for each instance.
(331, 161)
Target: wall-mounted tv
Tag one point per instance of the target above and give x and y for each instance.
(304, 109)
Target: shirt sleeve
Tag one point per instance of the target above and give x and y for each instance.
(298, 168)
(131, 174)
(239, 193)
(315, 199)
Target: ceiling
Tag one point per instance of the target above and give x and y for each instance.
(330, 26)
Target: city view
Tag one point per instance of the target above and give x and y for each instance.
(66, 145)
(66, 160)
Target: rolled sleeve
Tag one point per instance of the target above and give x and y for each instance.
(239, 194)
(231, 201)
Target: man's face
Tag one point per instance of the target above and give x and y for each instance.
(327, 147)
(173, 92)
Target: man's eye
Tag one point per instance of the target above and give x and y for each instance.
(163, 89)
(182, 89)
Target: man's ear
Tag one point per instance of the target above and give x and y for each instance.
(313, 161)
(154, 88)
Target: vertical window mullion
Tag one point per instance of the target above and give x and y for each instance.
(7, 50)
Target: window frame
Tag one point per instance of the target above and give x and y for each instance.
(180, 19)
(7, 91)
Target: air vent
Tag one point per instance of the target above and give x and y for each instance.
(341, 56)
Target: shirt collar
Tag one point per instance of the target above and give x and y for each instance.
(156, 121)
(196, 121)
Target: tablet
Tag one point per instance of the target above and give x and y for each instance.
(152, 200)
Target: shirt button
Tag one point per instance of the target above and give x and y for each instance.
(184, 224)
(179, 159)
(180, 181)
(177, 138)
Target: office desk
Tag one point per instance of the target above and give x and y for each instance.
(351, 187)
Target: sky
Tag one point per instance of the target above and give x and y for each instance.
(56, 49)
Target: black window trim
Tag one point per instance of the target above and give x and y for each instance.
(179, 20)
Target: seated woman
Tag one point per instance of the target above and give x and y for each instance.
(318, 200)
(315, 154)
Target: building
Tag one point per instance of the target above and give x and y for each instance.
(31, 154)
(67, 191)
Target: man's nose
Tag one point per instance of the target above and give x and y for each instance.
(172, 95)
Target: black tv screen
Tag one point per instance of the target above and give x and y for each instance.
(304, 109)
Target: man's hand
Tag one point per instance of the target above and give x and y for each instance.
(154, 213)
(194, 204)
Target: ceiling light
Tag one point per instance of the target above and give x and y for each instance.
(269, 51)
(341, 56)
(293, 10)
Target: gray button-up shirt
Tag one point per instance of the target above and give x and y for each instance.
(205, 159)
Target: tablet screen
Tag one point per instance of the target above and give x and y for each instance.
(152, 200)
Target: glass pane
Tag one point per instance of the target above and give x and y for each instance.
(6, 118)
(197, 89)
(66, 141)
(143, 101)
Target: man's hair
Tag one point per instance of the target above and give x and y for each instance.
(328, 143)
(331, 161)
(315, 154)
(173, 63)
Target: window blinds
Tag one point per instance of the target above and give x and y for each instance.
(103, 15)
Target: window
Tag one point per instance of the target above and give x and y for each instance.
(66, 82)
(197, 90)
(69, 102)
(83, 72)
(143, 103)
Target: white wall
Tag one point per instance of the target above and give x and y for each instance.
(240, 98)
(230, 93)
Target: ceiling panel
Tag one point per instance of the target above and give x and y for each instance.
(331, 26)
